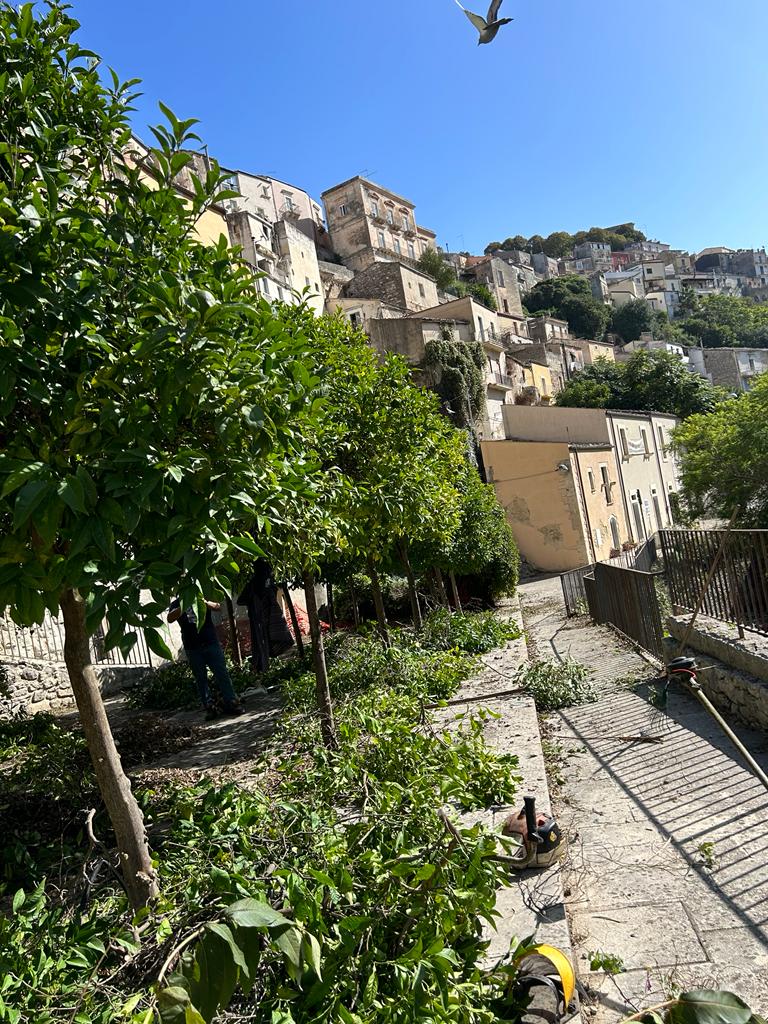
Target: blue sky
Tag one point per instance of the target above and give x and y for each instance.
(581, 113)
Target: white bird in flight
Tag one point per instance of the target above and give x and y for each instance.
(489, 26)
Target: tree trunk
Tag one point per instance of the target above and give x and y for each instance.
(331, 608)
(455, 592)
(234, 636)
(124, 813)
(418, 622)
(378, 602)
(325, 707)
(443, 593)
(294, 620)
(355, 605)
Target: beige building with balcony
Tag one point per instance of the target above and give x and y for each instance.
(368, 224)
(581, 484)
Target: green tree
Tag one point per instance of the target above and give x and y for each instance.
(587, 318)
(559, 245)
(147, 392)
(484, 546)
(632, 319)
(482, 293)
(648, 381)
(432, 262)
(725, 321)
(724, 459)
(570, 298)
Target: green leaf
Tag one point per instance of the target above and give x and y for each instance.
(225, 934)
(72, 494)
(19, 476)
(130, 1004)
(248, 545)
(192, 1016)
(709, 1007)
(288, 939)
(156, 644)
(252, 913)
(18, 900)
(172, 1003)
(310, 949)
(30, 497)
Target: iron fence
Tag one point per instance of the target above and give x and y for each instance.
(45, 642)
(738, 589)
(643, 557)
(627, 599)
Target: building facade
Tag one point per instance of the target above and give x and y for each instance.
(367, 224)
(731, 368)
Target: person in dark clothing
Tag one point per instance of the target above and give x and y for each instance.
(204, 652)
(270, 635)
(255, 598)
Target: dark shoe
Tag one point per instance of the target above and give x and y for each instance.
(211, 712)
(232, 710)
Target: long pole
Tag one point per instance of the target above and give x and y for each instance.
(695, 687)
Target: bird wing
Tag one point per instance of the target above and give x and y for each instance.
(477, 21)
(493, 10)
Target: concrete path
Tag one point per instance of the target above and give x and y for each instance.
(667, 867)
(533, 906)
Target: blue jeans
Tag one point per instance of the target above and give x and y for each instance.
(211, 657)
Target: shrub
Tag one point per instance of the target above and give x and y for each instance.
(472, 632)
(172, 687)
(556, 684)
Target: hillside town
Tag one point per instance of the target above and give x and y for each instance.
(383, 627)
(359, 251)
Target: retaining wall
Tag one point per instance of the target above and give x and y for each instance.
(736, 676)
(31, 686)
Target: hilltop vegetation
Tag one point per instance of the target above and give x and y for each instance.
(559, 244)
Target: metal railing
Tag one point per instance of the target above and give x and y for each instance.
(626, 599)
(46, 643)
(643, 557)
(503, 379)
(738, 590)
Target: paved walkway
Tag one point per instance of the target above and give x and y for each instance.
(667, 867)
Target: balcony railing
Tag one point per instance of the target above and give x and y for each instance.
(503, 379)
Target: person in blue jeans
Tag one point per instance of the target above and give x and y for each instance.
(204, 652)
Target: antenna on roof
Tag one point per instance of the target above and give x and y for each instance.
(366, 173)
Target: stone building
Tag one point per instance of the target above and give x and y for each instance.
(396, 284)
(369, 224)
(500, 279)
(273, 201)
(731, 368)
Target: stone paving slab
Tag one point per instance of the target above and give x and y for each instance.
(668, 864)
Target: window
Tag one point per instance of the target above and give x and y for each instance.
(624, 442)
(406, 222)
(591, 478)
(354, 319)
(606, 486)
(382, 240)
(289, 205)
(637, 513)
(506, 305)
(343, 210)
(644, 437)
(500, 279)
(543, 381)
(598, 537)
(374, 208)
(411, 251)
(265, 285)
(422, 293)
(481, 328)
(390, 217)
(396, 244)
(662, 445)
(306, 281)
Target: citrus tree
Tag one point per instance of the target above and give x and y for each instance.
(146, 394)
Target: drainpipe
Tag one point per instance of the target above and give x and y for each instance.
(617, 453)
(583, 499)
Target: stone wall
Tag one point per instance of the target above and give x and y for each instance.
(30, 685)
(735, 676)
